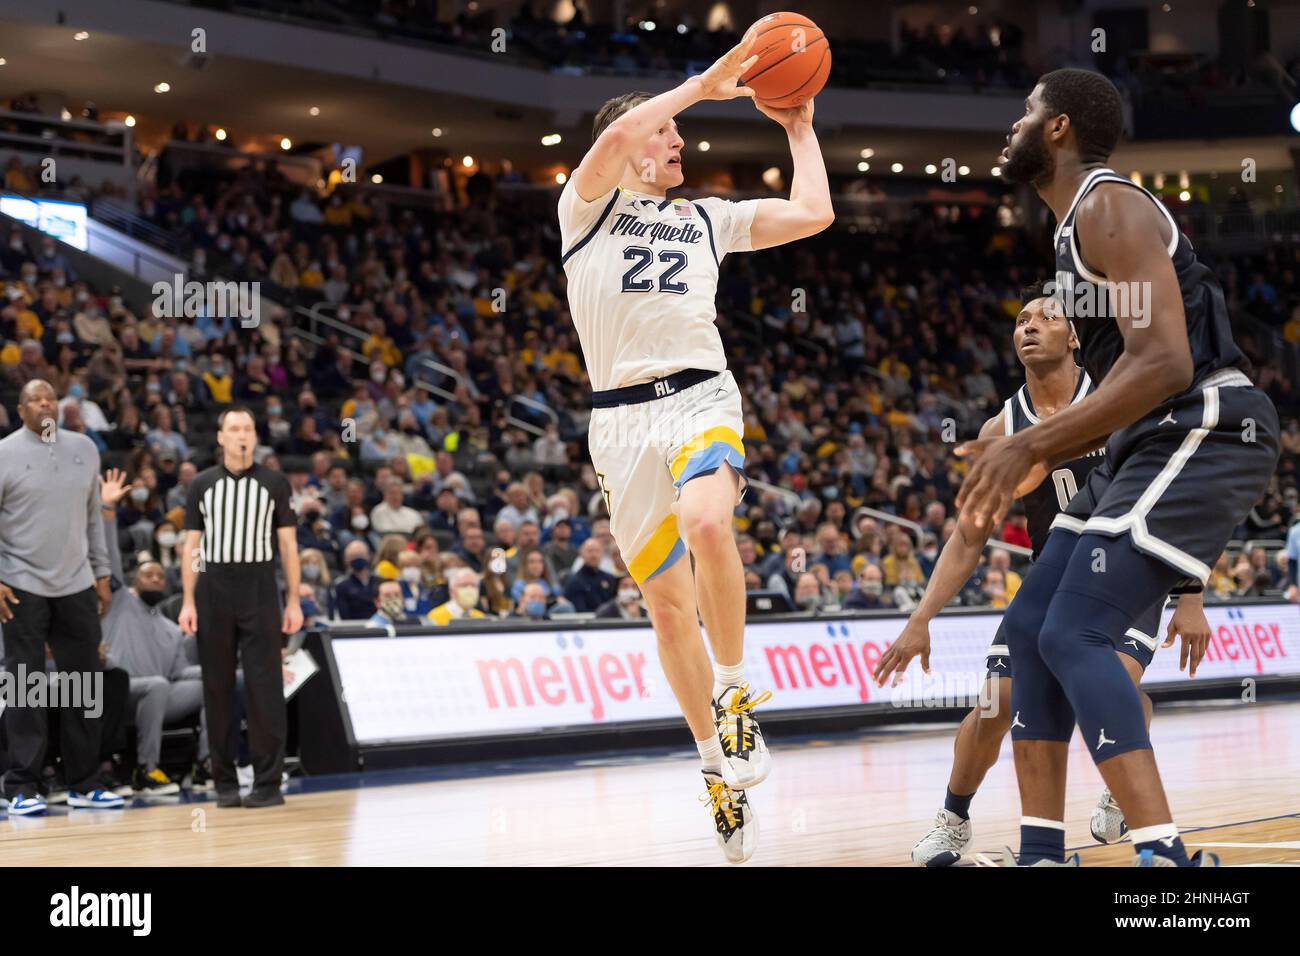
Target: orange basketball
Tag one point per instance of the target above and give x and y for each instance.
(794, 60)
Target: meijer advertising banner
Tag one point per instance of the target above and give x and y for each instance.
(500, 682)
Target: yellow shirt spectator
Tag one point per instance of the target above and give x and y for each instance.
(382, 347)
(564, 362)
(892, 566)
(444, 614)
(222, 388)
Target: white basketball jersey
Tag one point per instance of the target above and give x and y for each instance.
(643, 277)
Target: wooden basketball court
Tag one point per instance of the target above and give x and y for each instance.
(862, 799)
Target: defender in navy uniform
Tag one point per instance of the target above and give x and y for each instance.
(1191, 446)
(1045, 344)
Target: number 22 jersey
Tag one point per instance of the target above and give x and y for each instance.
(643, 278)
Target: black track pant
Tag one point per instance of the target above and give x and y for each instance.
(239, 618)
(70, 626)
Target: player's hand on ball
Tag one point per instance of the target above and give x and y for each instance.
(1004, 470)
(914, 640)
(292, 618)
(720, 81)
(1189, 622)
(188, 619)
(795, 116)
(113, 488)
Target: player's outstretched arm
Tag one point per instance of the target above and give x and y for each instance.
(1126, 239)
(957, 562)
(808, 210)
(602, 168)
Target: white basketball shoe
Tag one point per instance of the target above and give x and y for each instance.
(1107, 822)
(745, 760)
(947, 840)
(735, 822)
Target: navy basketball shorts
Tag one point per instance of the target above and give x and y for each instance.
(1179, 480)
(1138, 642)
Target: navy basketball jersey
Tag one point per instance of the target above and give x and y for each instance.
(1046, 501)
(1208, 332)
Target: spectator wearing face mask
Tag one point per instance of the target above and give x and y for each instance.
(313, 530)
(626, 604)
(312, 613)
(316, 576)
(531, 603)
(219, 382)
(416, 598)
(91, 414)
(464, 586)
(870, 592)
(808, 592)
(278, 429)
(390, 608)
(354, 594)
(165, 540)
(141, 510)
(352, 519)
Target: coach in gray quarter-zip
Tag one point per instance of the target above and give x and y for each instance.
(54, 574)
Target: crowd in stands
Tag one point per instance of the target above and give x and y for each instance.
(862, 357)
(972, 53)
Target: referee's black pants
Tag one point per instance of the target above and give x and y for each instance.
(70, 626)
(239, 618)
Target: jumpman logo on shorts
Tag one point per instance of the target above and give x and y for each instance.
(1015, 722)
(1103, 740)
(1135, 645)
(1168, 418)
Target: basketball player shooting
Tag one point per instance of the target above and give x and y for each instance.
(666, 425)
(1191, 446)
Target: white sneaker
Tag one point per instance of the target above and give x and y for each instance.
(947, 840)
(1107, 822)
(95, 800)
(735, 822)
(745, 760)
(26, 805)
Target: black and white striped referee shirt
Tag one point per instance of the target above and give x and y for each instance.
(238, 513)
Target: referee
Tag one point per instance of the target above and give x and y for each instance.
(232, 602)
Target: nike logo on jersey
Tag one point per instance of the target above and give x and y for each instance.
(1102, 739)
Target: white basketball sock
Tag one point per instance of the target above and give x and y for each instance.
(727, 675)
(710, 753)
